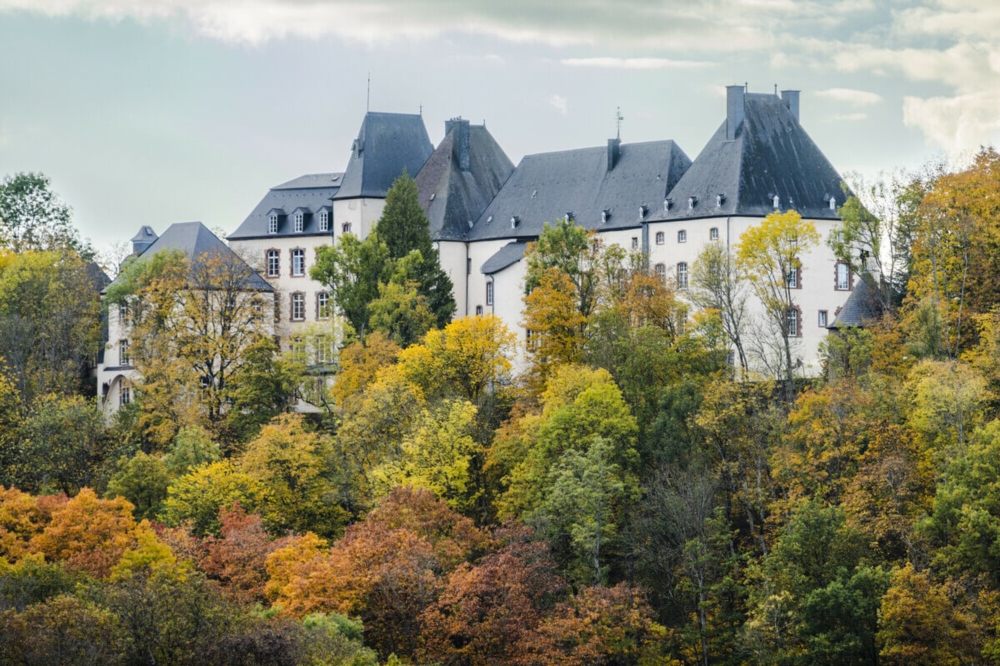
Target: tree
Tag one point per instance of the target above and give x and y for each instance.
(142, 480)
(50, 326)
(719, 285)
(238, 558)
(437, 455)
(199, 495)
(360, 363)
(554, 325)
(353, 269)
(193, 325)
(293, 469)
(573, 251)
(767, 254)
(262, 388)
(404, 227)
(401, 312)
(88, 533)
(33, 218)
(192, 447)
(62, 630)
(60, 445)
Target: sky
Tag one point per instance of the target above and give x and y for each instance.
(162, 111)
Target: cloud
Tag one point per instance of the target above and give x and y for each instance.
(958, 124)
(634, 63)
(849, 117)
(851, 96)
(560, 104)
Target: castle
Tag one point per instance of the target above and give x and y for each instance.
(484, 211)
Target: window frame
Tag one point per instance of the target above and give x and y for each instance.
(124, 393)
(660, 238)
(323, 309)
(292, 268)
(489, 292)
(277, 262)
(682, 283)
(682, 236)
(795, 274)
(299, 222)
(124, 357)
(836, 276)
(661, 271)
(713, 234)
(272, 223)
(297, 297)
(324, 220)
(823, 318)
(794, 314)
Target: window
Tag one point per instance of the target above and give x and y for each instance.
(479, 309)
(822, 318)
(792, 275)
(324, 220)
(682, 275)
(124, 394)
(530, 339)
(123, 312)
(323, 305)
(489, 293)
(257, 309)
(299, 222)
(272, 223)
(793, 323)
(843, 277)
(298, 306)
(661, 271)
(298, 349)
(713, 233)
(273, 263)
(298, 262)
(123, 357)
(345, 227)
(682, 236)
(324, 353)
(635, 242)
(659, 238)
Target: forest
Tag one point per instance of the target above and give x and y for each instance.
(636, 494)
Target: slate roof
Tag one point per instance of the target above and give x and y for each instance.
(312, 192)
(454, 194)
(861, 309)
(196, 241)
(508, 255)
(544, 187)
(770, 155)
(387, 143)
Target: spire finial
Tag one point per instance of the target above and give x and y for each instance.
(618, 122)
(368, 99)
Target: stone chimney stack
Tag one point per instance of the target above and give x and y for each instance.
(735, 110)
(614, 152)
(461, 147)
(791, 100)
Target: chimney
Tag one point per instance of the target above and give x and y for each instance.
(460, 142)
(142, 240)
(735, 110)
(614, 152)
(791, 100)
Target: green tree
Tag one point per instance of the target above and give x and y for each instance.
(719, 285)
(404, 228)
(142, 480)
(352, 270)
(192, 447)
(401, 312)
(32, 216)
(199, 495)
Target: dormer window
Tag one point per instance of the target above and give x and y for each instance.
(569, 215)
(776, 200)
(720, 199)
(514, 221)
(324, 220)
(642, 212)
(299, 220)
(605, 214)
(692, 202)
(345, 228)
(666, 205)
(833, 203)
(272, 223)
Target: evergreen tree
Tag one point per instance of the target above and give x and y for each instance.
(403, 228)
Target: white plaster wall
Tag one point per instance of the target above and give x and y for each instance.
(817, 289)
(453, 259)
(361, 214)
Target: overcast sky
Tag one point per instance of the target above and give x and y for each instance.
(161, 111)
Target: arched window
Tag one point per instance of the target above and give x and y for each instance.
(661, 271)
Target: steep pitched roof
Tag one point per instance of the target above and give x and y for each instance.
(387, 143)
(771, 155)
(508, 255)
(461, 178)
(312, 191)
(197, 241)
(861, 309)
(544, 187)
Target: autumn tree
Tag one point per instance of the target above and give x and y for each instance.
(718, 284)
(768, 254)
(192, 326)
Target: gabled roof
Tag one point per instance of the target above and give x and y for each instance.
(197, 241)
(771, 155)
(544, 187)
(461, 178)
(387, 144)
(508, 255)
(862, 307)
(312, 192)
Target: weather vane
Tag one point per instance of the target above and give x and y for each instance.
(618, 121)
